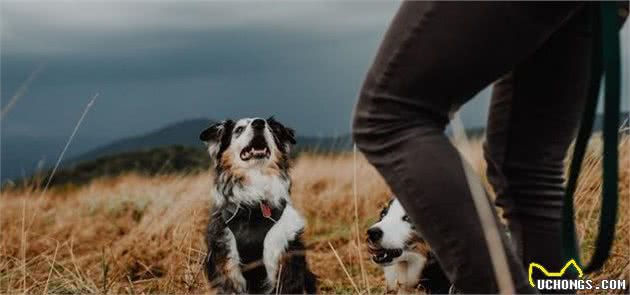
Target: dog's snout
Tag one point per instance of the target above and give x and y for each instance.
(375, 234)
(258, 124)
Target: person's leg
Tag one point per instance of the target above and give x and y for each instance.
(435, 56)
(534, 115)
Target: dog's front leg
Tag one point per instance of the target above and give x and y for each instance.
(281, 239)
(294, 275)
(223, 260)
(391, 279)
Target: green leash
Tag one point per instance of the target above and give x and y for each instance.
(606, 61)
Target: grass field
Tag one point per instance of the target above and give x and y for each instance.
(146, 235)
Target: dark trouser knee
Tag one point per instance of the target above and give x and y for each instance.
(381, 120)
(370, 124)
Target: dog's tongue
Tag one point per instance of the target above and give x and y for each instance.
(265, 209)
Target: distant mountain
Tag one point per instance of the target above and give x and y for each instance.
(174, 148)
(156, 161)
(186, 133)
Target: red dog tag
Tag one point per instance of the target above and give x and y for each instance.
(266, 210)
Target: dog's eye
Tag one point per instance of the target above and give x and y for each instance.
(383, 213)
(238, 129)
(405, 218)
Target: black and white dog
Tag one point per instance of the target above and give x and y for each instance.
(407, 262)
(255, 235)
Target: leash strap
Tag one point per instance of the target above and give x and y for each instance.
(605, 60)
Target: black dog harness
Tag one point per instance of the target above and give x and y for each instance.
(250, 225)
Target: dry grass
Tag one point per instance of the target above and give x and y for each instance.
(146, 235)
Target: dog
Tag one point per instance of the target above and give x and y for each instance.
(254, 235)
(408, 263)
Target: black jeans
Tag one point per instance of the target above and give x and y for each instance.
(436, 56)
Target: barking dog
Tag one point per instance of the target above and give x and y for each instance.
(255, 235)
(408, 264)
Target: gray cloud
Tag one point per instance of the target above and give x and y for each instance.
(50, 27)
(159, 62)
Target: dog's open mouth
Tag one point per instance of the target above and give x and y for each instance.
(383, 255)
(257, 149)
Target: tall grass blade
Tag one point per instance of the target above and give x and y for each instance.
(20, 92)
(344, 268)
(65, 148)
(490, 228)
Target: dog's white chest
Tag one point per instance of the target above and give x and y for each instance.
(262, 186)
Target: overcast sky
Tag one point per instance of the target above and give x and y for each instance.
(154, 63)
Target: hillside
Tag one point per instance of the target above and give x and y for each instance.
(161, 160)
(174, 148)
(172, 159)
(145, 235)
(186, 133)
(21, 156)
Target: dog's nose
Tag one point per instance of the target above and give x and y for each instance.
(375, 234)
(258, 124)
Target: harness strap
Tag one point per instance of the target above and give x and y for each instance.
(605, 60)
(262, 209)
(229, 212)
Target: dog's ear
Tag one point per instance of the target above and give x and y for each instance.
(284, 134)
(217, 136)
(212, 133)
